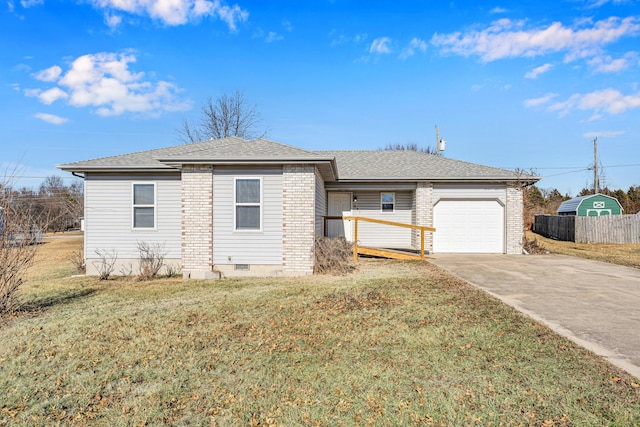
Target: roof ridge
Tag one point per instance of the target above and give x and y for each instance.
(285, 145)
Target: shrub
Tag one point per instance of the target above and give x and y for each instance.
(333, 256)
(78, 261)
(151, 259)
(106, 264)
(532, 247)
(18, 244)
(171, 270)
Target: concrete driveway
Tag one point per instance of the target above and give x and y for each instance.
(595, 304)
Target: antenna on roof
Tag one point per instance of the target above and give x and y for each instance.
(595, 165)
(440, 143)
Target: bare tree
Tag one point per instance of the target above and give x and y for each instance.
(18, 238)
(227, 115)
(411, 146)
(63, 205)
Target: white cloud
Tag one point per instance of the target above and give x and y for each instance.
(609, 101)
(380, 45)
(535, 102)
(606, 64)
(273, 36)
(50, 74)
(231, 15)
(50, 118)
(338, 38)
(50, 96)
(31, 3)
(414, 44)
(598, 3)
(496, 10)
(506, 38)
(537, 71)
(105, 82)
(604, 134)
(173, 12)
(112, 20)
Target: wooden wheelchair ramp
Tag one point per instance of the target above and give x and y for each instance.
(391, 253)
(384, 252)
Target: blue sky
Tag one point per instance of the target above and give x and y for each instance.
(513, 84)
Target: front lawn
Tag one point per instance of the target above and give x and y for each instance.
(396, 343)
(622, 254)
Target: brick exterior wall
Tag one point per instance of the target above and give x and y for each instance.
(423, 208)
(298, 219)
(197, 221)
(515, 221)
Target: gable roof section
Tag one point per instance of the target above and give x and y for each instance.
(229, 150)
(405, 165)
(371, 165)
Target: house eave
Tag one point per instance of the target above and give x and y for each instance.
(330, 172)
(528, 180)
(327, 165)
(114, 169)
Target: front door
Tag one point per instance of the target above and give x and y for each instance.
(339, 205)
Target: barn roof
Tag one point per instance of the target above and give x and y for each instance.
(572, 205)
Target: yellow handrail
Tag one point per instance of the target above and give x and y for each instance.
(422, 229)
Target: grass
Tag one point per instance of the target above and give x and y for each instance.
(396, 343)
(622, 254)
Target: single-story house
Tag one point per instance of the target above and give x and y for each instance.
(591, 205)
(255, 207)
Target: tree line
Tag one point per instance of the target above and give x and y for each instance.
(53, 206)
(540, 201)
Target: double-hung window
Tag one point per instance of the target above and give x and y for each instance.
(144, 205)
(248, 204)
(387, 202)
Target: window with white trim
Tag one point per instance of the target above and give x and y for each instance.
(248, 204)
(144, 205)
(387, 202)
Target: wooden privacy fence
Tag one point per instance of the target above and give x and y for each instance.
(589, 229)
(555, 227)
(608, 229)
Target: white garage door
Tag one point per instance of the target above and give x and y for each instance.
(471, 226)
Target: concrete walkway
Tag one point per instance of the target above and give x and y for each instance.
(595, 304)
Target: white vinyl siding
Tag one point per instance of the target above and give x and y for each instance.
(109, 214)
(231, 246)
(378, 235)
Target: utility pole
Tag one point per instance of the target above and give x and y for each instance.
(595, 165)
(437, 141)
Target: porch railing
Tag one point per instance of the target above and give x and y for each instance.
(357, 219)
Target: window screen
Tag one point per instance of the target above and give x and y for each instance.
(144, 205)
(248, 204)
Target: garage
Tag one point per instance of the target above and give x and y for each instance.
(468, 226)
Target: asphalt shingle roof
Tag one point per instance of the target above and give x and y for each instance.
(230, 148)
(351, 165)
(410, 165)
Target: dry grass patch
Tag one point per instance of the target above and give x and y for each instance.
(622, 254)
(369, 348)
